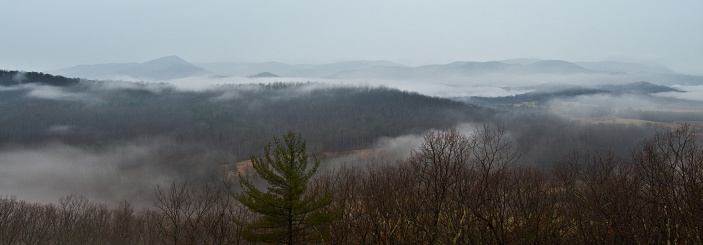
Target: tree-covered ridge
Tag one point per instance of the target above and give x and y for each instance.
(9, 78)
(225, 117)
(543, 93)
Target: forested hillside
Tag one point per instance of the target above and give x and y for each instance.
(238, 117)
(225, 124)
(205, 129)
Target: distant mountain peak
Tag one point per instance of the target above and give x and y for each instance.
(164, 68)
(263, 74)
(170, 57)
(520, 61)
(167, 61)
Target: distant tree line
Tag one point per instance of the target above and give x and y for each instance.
(9, 78)
(453, 189)
(536, 97)
(546, 94)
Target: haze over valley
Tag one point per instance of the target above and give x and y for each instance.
(508, 122)
(180, 114)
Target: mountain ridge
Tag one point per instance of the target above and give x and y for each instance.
(164, 68)
(529, 70)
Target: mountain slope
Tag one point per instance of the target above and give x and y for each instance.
(99, 71)
(552, 67)
(621, 67)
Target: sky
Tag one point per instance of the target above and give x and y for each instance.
(44, 35)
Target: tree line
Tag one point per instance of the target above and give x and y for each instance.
(455, 188)
(9, 78)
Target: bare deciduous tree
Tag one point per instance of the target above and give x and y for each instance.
(437, 167)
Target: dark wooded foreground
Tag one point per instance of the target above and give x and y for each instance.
(455, 188)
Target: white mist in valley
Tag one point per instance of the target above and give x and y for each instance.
(50, 171)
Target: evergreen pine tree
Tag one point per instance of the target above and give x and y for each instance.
(289, 213)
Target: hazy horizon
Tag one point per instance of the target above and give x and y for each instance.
(514, 60)
(47, 35)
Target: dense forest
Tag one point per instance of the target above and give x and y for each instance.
(227, 116)
(477, 174)
(9, 78)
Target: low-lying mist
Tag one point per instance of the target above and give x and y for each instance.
(690, 93)
(486, 85)
(388, 149)
(114, 140)
(45, 172)
(608, 108)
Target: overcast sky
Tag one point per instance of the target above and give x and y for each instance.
(43, 35)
